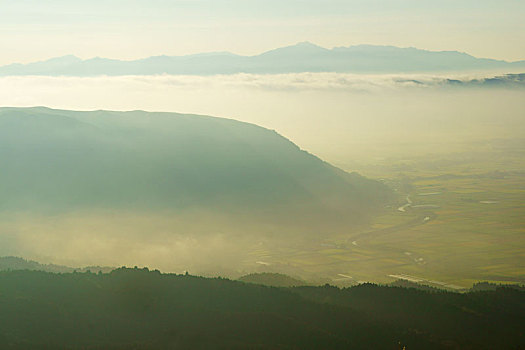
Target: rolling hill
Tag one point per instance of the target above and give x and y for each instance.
(272, 280)
(13, 263)
(59, 161)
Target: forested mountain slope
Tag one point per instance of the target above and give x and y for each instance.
(141, 309)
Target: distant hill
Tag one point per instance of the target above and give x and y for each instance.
(59, 161)
(141, 309)
(303, 57)
(487, 286)
(11, 263)
(408, 284)
(272, 280)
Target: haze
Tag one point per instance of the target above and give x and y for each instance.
(379, 125)
(439, 138)
(262, 174)
(342, 117)
(140, 28)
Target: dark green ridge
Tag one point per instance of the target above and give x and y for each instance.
(141, 309)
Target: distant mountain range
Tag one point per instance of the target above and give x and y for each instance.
(56, 161)
(302, 57)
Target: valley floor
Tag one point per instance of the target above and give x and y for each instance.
(459, 219)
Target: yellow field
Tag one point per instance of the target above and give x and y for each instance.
(466, 224)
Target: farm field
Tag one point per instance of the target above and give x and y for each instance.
(459, 219)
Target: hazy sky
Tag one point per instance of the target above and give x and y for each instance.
(37, 29)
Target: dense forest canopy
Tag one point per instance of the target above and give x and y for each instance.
(142, 309)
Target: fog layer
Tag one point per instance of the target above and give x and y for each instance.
(336, 116)
(342, 118)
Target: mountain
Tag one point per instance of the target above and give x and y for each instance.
(57, 161)
(302, 57)
(142, 309)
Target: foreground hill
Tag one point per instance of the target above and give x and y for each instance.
(139, 309)
(303, 57)
(56, 161)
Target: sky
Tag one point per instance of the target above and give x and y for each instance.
(32, 30)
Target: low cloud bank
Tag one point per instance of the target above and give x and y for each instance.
(335, 116)
(270, 82)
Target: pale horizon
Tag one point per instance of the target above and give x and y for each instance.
(136, 29)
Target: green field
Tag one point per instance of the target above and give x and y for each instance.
(465, 223)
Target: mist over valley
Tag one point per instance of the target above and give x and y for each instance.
(262, 174)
